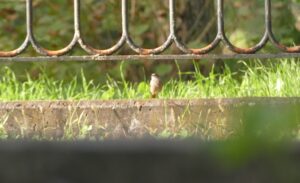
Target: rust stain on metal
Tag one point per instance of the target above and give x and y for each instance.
(126, 39)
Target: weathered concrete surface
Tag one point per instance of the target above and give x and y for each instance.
(206, 118)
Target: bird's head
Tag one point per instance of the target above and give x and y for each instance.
(154, 75)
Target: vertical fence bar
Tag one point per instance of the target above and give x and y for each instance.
(149, 53)
(35, 43)
(274, 41)
(228, 44)
(132, 44)
(88, 48)
(21, 48)
(196, 51)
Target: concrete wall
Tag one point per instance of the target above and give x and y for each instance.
(205, 118)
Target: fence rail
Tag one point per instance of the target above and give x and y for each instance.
(149, 54)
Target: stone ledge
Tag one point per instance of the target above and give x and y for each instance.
(206, 118)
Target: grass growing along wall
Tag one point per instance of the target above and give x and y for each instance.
(277, 79)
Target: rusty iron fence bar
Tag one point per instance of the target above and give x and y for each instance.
(148, 57)
(149, 54)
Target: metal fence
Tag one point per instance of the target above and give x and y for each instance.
(149, 54)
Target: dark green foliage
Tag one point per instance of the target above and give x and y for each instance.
(101, 27)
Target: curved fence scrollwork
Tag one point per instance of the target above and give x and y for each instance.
(154, 53)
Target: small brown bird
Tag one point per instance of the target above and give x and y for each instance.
(155, 85)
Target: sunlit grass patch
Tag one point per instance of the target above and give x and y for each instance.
(276, 79)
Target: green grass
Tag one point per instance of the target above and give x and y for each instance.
(277, 79)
